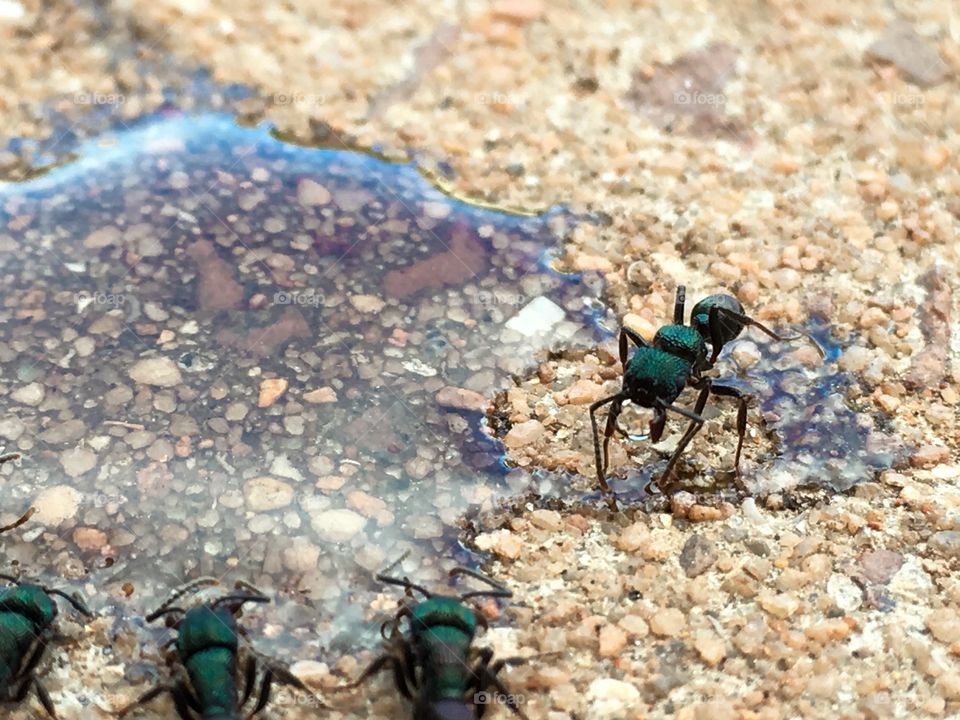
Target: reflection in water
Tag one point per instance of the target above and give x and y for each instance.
(231, 356)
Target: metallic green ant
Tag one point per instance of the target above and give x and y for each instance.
(27, 614)
(655, 375)
(435, 664)
(208, 653)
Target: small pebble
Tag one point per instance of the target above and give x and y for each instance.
(944, 625)
(78, 461)
(461, 399)
(584, 392)
(266, 493)
(698, 555)
(31, 394)
(89, 538)
(156, 371)
(930, 455)
(880, 565)
(668, 622)
(337, 525)
(633, 537)
(270, 390)
(612, 641)
(519, 11)
(310, 672)
(321, 395)
(367, 303)
(547, 520)
(609, 699)
(946, 542)
(523, 434)
(301, 557)
(56, 504)
(711, 648)
(782, 606)
(829, 630)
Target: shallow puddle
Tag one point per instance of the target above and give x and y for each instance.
(227, 355)
(820, 441)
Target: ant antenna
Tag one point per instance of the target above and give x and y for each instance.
(498, 589)
(402, 582)
(165, 608)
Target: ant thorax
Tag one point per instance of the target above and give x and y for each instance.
(682, 341)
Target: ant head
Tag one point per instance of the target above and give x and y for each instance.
(726, 326)
(37, 602)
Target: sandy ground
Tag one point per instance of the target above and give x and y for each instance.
(803, 157)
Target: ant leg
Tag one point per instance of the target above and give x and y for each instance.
(727, 391)
(678, 304)
(598, 458)
(44, 698)
(249, 678)
(657, 423)
(27, 671)
(611, 425)
(376, 666)
(626, 333)
(696, 422)
(409, 666)
(33, 660)
(144, 699)
(484, 675)
(27, 674)
(263, 696)
(183, 701)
